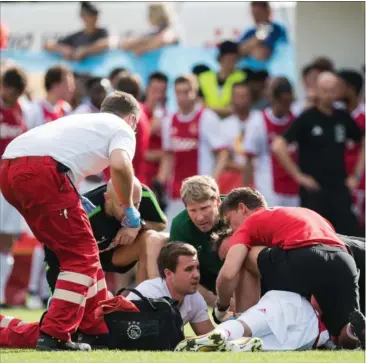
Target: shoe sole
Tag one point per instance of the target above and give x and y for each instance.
(209, 343)
(252, 345)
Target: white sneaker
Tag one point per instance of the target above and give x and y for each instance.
(203, 343)
(34, 302)
(243, 345)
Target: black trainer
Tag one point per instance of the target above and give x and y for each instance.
(358, 322)
(49, 344)
(95, 341)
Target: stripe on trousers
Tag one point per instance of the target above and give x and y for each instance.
(5, 321)
(69, 296)
(75, 277)
(99, 286)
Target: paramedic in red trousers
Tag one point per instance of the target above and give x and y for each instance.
(59, 83)
(37, 174)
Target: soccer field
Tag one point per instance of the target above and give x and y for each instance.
(31, 356)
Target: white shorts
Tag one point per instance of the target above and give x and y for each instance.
(284, 321)
(175, 206)
(11, 221)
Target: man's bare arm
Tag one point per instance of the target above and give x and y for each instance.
(122, 176)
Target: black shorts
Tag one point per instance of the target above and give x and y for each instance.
(328, 273)
(53, 266)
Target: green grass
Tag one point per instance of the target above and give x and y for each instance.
(31, 356)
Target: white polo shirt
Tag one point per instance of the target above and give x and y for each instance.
(81, 142)
(193, 309)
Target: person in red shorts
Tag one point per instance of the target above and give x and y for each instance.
(302, 254)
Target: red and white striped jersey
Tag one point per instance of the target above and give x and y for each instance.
(269, 176)
(192, 139)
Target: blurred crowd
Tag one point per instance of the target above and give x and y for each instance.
(225, 122)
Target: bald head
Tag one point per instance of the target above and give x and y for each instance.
(327, 88)
(113, 205)
(136, 193)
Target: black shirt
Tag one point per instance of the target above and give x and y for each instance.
(321, 143)
(81, 39)
(106, 227)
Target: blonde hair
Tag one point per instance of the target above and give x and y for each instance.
(160, 15)
(199, 188)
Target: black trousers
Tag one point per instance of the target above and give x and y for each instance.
(334, 204)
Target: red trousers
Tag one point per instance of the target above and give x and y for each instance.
(53, 211)
(15, 333)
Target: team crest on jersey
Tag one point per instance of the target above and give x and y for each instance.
(340, 133)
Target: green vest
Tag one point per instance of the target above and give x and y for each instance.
(214, 97)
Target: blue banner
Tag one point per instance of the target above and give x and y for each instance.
(173, 61)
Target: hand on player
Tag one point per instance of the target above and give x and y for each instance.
(126, 236)
(307, 181)
(218, 316)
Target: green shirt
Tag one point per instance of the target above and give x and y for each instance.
(184, 230)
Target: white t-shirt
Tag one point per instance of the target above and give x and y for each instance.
(81, 142)
(234, 131)
(193, 309)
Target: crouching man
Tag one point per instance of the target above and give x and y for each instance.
(179, 269)
(119, 252)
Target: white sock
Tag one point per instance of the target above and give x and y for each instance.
(6, 266)
(37, 268)
(232, 329)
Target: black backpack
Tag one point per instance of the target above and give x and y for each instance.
(158, 325)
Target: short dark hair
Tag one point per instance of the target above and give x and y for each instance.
(241, 84)
(14, 77)
(90, 82)
(306, 70)
(115, 71)
(187, 78)
(121, 104)
(280, 86)
(130, 83)
(322, 64)
(170, 253)
(158, 76)
(246, 195)
(218, 237)
(55, 75)
(263, 4)
(352, 79)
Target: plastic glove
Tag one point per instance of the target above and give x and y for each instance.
(132, 218)
(87, 205)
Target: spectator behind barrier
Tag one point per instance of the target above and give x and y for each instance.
(259, 41)
(89, 41)
(162, 31)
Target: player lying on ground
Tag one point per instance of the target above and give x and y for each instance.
(179, 269)
(106, 220)
(281, 320)
(303, 254)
